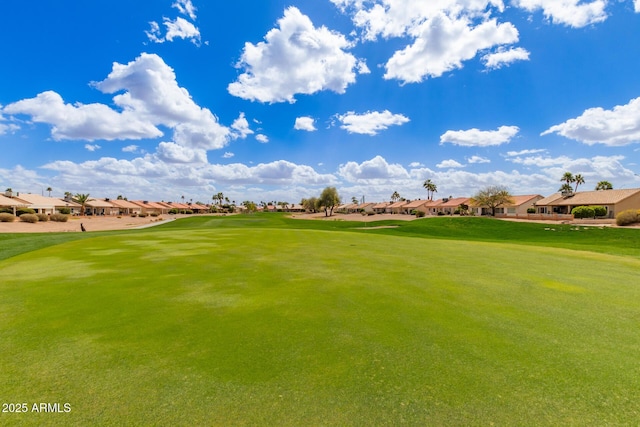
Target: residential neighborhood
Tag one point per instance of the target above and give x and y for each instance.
(557, 206)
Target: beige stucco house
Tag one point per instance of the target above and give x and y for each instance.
(614, 201)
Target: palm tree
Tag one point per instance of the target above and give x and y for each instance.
(395, 196)
(578, 179)
(82, 199)
(431, 188)
(566, 188)
(354, 200)
(604, 185)
(567, 178)
(49, 189)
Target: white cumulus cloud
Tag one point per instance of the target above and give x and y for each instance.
(186, 7)
(148, 96)
(130, 149)
(295, 58)
(479, 138)
(178, 28)
(7, 128)
(372, 170)
(574, 13)
(305, 123)
(92, 147)
(449, 164)
(444, 33)
(262, 138)
(83, 121)
(617, 127)
(241, 127)
(171, 152)
(505, 57)
(478, 159)
(370, 123)
(443, 43)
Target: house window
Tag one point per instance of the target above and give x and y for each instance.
(511, 210)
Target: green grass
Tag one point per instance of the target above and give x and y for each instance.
(268, 321)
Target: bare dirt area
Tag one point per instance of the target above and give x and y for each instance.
(91, 223)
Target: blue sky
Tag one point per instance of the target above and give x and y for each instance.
(273, 100)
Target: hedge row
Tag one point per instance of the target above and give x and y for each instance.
(33, 218)
(589, 211)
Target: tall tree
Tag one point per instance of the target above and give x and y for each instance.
(567, 178)
(566, 188)
(431, 188)
(49, 190)
(310, 204)
(579, 180)
(395, 196)
(82, 199)
(604, 185)
(492, 197)
(328, 200)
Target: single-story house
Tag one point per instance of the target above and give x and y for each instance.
(167, 206)
(48, 205)
(366, 207)
(150, 208)
(519, 206)
(40, 204)
(125, 207)
(295, 208)
(12, 204)
(197, 208)
(381, 208)
(614, 201)
(397, 207)
(416, 205)
(448, 206)
(100, 207)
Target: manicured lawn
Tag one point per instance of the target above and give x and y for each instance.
(269, 321)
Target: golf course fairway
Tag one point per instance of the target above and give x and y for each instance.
(280, 326)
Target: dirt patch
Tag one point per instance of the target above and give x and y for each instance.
(97, 223)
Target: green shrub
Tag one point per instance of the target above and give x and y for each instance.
(42, 217)
(420, 214)
(583, 212)
(143, 215)
(6, 210)
(600, 211)
(7, 217)
(133, 215)
(173, 211)
(440, 213)
(531, 210)
(21, 211)
(59, 217)
(154, 214)
(188, 212)
(628, 217)
(31, 218)
(65, 210)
